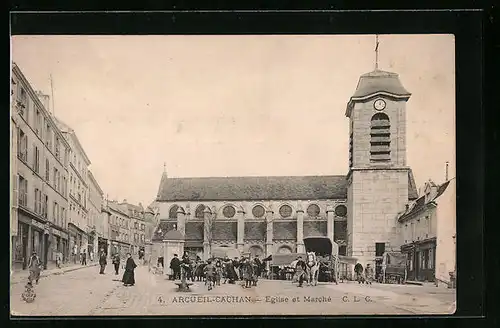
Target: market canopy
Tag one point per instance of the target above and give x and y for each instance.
(321, 245)
(285, 259)
(222, 252)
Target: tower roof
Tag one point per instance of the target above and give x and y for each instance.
(378, 82)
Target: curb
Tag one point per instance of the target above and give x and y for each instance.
(55, 273)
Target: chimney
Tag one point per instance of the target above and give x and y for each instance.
(407, 206)
(45, 99)
(446, 174)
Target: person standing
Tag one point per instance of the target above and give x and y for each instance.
(369, 274)
(300, 270)
(128, 278)
(34, 266)
(116, 263)
(102, 261)
(358, 269)
(84, 257)
(209, 271)
(175, 265)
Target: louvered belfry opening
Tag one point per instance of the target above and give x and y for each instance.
(380, 150)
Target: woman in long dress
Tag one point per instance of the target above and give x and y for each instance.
(34, 266)
(128, 276)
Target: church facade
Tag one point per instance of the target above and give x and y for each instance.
(266, 215)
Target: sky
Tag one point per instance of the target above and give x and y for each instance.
(234, 105)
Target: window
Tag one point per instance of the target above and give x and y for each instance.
(22, 145)
(172, 213)
(341, 211)
(54, 177)
(228, 212)
(379, 249)
(380, 142)
(23, 191)
(285, 211)
(38, 201)
(23, 103)
(258, 211)
(142, 227)
(313, 210)
(431, 258)
(45, 206)
(36, 159)
(38, 122)
(63, 217)
(47, 170)
(55, 213)
(48, 136)
(58, 153)
(343, 250)
(64, 186)
(199, 212)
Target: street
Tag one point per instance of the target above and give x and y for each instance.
(85, 292)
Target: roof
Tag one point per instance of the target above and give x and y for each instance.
(253, 188)
(68, 130)
(421, 202)
(173, 235)
(260, 188)
(116, 208)
(378, 82)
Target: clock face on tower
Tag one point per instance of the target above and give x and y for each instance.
(379, 104)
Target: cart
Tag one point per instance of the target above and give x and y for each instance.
(393, 268)
(327, 253)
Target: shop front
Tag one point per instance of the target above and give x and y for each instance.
(77, 240)
(59, 244)
(420, 260)
(20, 244)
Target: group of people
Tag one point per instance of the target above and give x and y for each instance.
(215, 270)
(128, 277)
(365, 277)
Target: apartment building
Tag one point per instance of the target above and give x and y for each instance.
(79, 162)
(95, 226)
(39, 176)
(119, 228)
(428, 228)
(137, 226)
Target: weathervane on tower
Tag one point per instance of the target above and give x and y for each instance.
(376, 53)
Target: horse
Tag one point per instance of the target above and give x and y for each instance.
(312, 268)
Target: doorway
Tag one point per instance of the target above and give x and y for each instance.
(46, 246)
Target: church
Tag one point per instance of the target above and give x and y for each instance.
(265, 215)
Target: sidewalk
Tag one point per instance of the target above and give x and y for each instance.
(22, 276)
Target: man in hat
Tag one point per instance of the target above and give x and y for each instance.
(102, 261)
(175, 265)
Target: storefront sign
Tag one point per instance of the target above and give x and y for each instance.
(38, 224)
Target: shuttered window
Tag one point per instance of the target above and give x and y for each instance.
(380, 142)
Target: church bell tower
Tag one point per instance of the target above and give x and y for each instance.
(378, 177)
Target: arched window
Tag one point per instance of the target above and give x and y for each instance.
(380, 143)
(284, 250)
(172, 214)
(285, 211)
(258, 211)
(313, 210)
(199, 212)
(256, 250)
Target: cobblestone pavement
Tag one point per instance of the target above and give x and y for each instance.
(85, 292)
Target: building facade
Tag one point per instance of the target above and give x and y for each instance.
(268, 215)
(428, 233)
(39, 180)
(78, 218)
(95, 203)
